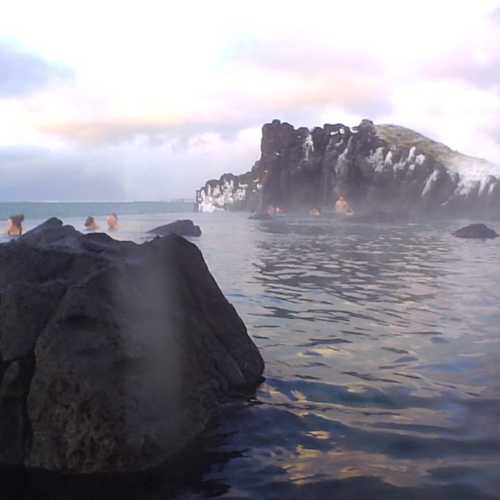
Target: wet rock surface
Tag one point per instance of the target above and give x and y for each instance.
(476, 231)
(260, 216)
(113, 356)
(183, 227)
(382, 167)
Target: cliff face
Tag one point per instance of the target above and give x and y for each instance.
(382, 167)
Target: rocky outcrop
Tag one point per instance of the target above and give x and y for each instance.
(113, 356)
(184, 227)
(378, 167)
(476, 231)
(231, 192)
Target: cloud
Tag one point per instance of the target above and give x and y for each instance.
(255, 83)
(23, 73)
(306, 58)
(38, 174)
(299, 99)
(118, 131)
(482, 72)
(495, 16)
(300, 108)
(493, 130)
(155, 115)
(325, 74)
(125, 171)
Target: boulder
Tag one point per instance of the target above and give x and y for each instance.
(113, 356)
(477, 231)
(184, 227)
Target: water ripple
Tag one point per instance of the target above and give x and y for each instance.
(383, 357)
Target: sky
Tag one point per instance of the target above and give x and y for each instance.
(129, 100)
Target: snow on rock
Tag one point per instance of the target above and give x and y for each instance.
(411, 154)
(419, 160)
(308, 146)
(227, 193)
(388, 158)
(430, 182)
(377, 159)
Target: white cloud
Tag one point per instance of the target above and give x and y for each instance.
(162, 91)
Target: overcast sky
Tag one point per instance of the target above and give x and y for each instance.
(129, 100)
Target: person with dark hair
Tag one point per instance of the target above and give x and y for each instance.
(342, 206)
(91, 224)
(15, 225)
(112, 221)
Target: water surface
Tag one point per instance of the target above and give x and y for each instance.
(382, 351)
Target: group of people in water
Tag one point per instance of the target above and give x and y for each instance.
(342, 207)
(15, 227)
(111, 220)
(15, 224)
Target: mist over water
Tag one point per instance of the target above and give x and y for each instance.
(382, 353)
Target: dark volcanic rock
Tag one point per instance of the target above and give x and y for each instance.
(377, 167)
(478, 231)
(184, 227)
(113, 356)
(260, 216)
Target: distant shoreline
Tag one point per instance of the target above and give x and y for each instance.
(44, 209)
(180, 200)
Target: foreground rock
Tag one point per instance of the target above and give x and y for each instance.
(478, 231)
(378, 167)
(183, 227)
(114, 356)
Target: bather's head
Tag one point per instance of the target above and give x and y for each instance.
(112, 221)
(15, 225)
(90, 223)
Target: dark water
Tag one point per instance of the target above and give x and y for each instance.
(382, 350)
(382, 346)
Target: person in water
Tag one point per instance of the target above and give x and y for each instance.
(342, 206)
(112, 221)
(271, 210)
(91, 224)
(15, 225)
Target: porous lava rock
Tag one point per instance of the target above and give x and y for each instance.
(113, 356)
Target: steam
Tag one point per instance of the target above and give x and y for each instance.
(145, 309)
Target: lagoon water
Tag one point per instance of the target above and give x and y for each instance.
(382, 351)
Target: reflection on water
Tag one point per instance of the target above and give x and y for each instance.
(382, 353)
(382, 349)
